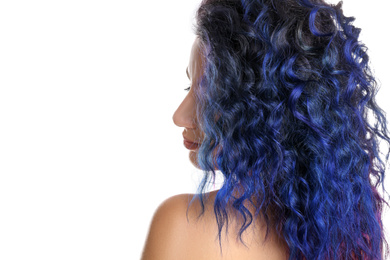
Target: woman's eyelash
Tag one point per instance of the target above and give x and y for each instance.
(187, 89)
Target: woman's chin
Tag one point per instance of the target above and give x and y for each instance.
(194, 158)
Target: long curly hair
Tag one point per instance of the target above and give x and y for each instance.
(287, 106)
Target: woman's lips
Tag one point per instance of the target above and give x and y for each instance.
(190, 145)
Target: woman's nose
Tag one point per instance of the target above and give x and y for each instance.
(185, 114)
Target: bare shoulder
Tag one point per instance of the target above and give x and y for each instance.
(172, 229)
(174, 234)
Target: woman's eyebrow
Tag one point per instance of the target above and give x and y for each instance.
(188, 75)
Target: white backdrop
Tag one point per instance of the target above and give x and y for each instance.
(88, 148)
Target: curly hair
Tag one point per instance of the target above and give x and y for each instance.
(284, 102)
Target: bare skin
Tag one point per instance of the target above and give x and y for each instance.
(173, 236)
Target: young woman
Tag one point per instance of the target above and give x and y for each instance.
(279, 102)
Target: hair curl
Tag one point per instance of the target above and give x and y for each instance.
(284, 102)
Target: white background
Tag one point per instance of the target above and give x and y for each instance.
(88, 148)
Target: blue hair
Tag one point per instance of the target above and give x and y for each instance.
(284, 102)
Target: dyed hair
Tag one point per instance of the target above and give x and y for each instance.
(284, 102)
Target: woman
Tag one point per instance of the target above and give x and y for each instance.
(279, 101)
